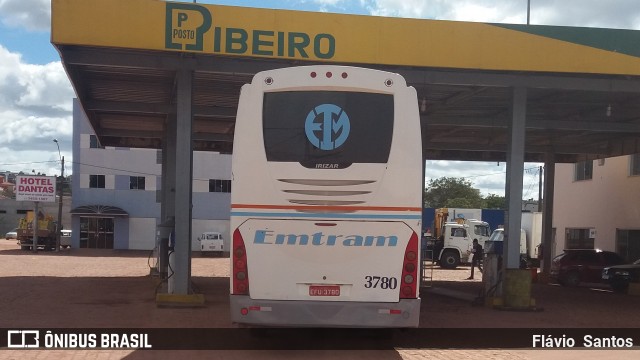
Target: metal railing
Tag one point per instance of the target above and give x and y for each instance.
(426, 268)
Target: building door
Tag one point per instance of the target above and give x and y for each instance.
(628, 244)
(96, 232)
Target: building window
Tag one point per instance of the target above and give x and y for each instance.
(93, 142)
(221, 186)
(584, 170)
(136, 182)
(96, 181)
(21, 212)
(579, 239)
(634, 168)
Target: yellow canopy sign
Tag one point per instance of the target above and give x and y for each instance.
(265, 33)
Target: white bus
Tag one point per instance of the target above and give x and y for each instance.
(326, 199)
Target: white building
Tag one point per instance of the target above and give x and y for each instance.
(116, 198)
(597, 205)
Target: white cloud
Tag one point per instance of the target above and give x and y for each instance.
(33, 15)
(35, 108)
(327, 2)
(623, 14)
(46, 85)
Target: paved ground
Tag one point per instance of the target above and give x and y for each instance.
(83, 288)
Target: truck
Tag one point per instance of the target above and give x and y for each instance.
(450, 242)
(532, 226)
(47, 231)
(530, 239)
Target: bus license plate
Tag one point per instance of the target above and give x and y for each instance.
(324, 290)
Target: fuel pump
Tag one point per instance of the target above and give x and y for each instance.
(172, 264)
(164, 234)
(492, 275)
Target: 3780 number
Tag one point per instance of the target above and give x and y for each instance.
(382, 282)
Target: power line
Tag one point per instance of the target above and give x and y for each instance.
(491, 174)
(31, 162)
(532, 182)
(116, 169)
(126, 171)
(153, 174)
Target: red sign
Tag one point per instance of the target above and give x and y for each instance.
(36, 188)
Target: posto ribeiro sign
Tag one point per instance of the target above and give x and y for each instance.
(35, 188)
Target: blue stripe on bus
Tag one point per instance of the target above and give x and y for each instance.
(325, 215)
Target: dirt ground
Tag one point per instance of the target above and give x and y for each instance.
(85, 288)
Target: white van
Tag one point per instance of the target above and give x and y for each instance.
(211, 242)
(498, 235)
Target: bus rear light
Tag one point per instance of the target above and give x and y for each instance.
(313, 74)
(390, 311)
(409, 267)
(409, 284)
(240, 272)
(345, 75)
(245, 311)
(260, 308)
(329, 74)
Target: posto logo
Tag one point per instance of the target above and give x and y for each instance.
(190, 27)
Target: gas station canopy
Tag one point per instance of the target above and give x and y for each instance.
(583, 84)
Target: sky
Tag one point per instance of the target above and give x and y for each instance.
(36, 95)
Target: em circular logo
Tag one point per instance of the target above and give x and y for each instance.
(334, 133)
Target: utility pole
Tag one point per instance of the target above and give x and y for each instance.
(60, 193)
(540, 188)
(34, 226)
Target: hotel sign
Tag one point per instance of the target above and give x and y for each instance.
(35, 188)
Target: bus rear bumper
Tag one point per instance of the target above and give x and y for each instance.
(405, 313)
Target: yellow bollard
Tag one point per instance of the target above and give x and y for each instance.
(517, 289)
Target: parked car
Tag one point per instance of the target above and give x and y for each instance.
(619, 276)
(211, 242)
(13, 234)
(584, 265)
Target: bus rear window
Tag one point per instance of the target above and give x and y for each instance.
(327, 128)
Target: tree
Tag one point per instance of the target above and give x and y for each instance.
(8, 193)
(452, 192)
(493, 201)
